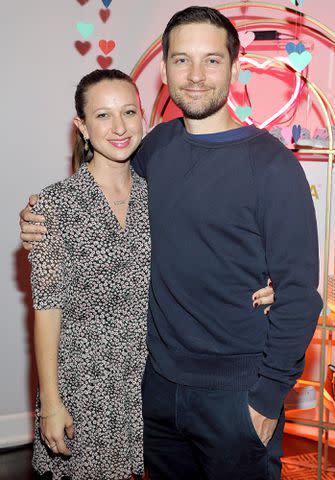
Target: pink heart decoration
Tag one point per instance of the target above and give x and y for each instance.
(233, 105)
(287, 134)
(246, 38)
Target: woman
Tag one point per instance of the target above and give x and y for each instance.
(89, 280)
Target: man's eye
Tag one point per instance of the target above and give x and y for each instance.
(130, 113)
(181, 60)
(213, 61)
(102, 115)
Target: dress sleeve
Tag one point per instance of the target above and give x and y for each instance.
(47, 256)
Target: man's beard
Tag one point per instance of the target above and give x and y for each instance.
(192, 112)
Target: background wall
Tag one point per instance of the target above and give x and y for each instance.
(40, 70)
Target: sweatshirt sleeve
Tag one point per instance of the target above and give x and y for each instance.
(288, 228)
(140, 159)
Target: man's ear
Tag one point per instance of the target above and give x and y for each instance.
(79, 123)
(163, 71)
(235, 71)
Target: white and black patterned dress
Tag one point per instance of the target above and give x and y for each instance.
(98, 274)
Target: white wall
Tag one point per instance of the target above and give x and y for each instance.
(39, 72)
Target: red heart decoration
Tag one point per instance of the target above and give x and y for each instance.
(104, 62)
(82, 47)
(104, 14)
(82, 2)
(106, 46)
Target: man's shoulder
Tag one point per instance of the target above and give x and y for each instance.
(267, 151)
(164, 132)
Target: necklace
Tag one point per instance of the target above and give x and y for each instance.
(120, 202)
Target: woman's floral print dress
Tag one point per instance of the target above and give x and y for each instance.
(97, 274)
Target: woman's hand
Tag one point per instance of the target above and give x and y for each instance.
(52, 428)
(264, 296)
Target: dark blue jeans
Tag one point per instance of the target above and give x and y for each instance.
(201, 434)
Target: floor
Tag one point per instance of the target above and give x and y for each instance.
(15, 464)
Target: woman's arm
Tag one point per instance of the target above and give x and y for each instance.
(46, 337)
(54, 417)
(47, 282)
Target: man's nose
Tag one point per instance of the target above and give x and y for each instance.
(196, 73)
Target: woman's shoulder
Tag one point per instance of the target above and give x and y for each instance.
(58, 194)
(62, 187)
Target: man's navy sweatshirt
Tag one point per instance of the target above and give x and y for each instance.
(224, 217)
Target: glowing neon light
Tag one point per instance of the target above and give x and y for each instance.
(284, 108)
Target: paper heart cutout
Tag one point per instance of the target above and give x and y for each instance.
(296, 3)
(300, 47)
(284, 108)
(104, 62)
(320, 133)
(106, 3)
(296, 132)
(244, 76)
(242, 112)
(85, 29)
(287, 134)
(106, 46)
(82, 47)
(300, 60)
(104, 14)
(246, 38)
(82, 2)
(292, 47)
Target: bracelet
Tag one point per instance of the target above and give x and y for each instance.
(52, 414)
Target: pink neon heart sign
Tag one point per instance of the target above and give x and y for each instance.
(284, 108)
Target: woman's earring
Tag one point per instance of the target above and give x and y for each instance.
(86, 146)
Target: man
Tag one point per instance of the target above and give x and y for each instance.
(229, 207)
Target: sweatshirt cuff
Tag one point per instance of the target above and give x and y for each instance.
(267, 396)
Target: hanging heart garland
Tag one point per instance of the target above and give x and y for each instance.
(104, 14)
(246, 38)
(287, 134)
(296, 133)
(298, 55)
(291, 47)
(106, 3)
(106, 46)
(82, 2)
(82, 47)
(300, 60)
(85, 29)
(244, 76)
(104, 62)
(243, 112)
